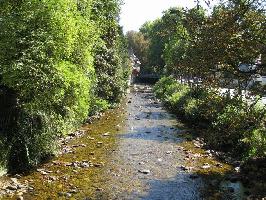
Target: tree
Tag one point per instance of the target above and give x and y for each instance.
(111, 60)
(139, 45)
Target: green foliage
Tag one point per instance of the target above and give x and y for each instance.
(62, 59)
(111, 56)
(210, 47)
(99, 105)
(231, 125)
(235, 133)
(257, 143)
(140, 47)
(165, 87)
(189, 43)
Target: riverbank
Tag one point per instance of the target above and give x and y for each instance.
(231, 128)
(137, 151)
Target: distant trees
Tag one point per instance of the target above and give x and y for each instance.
(57, 58)
(210, 46)
(233, 34)
(139, 45)
(190, 42)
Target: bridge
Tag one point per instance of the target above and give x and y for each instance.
(147, 78)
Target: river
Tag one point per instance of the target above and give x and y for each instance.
(137, 151)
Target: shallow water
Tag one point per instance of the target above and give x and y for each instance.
(137, 151)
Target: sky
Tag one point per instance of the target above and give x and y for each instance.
(134, 13)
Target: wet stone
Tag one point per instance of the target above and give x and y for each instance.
(14, 180)
(19, 198)
(73, 191)
(97, 165)
(11, 187)
(169, 152)
(219, 165)
(184, 168)
(106, 134)
(237, 169)
(144, 171)
(206, 166)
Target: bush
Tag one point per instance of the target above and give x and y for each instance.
(99, 105)
(231, 125)
(257, 142)
(60, 60)
(46, 59)
(165, 87)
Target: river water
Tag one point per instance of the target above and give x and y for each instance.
(137, 151)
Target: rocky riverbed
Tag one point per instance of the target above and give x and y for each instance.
(137, 151)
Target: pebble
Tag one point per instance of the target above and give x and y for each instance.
(84, 165)
(99, 189)
(14, 180)
(106, 134)
(144, 171)
(60, 194)
(184, 168)
(11, 187)
(68, 195)
(206, 166)
(237, 169)
(52, 178)
(97, 165)
(219, 165)
(74, 191)
(19, 198)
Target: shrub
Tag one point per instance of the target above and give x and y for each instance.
(58, 58)
(46, 59)
(99, 105)
(230, 124)
(236, 128)
(177, 100)
(166, 87)
(257, 143)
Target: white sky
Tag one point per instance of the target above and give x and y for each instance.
(136, 12)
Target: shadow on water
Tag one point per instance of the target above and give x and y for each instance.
(189, 186)
(180, 187)
(149, 115)
(159, 134)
